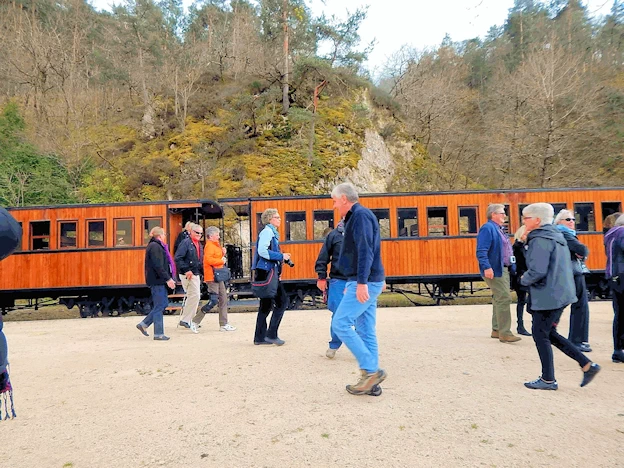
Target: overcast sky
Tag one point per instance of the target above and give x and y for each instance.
(419, 23)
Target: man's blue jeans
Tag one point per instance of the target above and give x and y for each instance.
(362, 341)
(160, 300)
(334, 297)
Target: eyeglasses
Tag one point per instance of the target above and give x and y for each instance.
(198, 232)
(500, 212)
(569, 219)
(276, 217)
(527, 217)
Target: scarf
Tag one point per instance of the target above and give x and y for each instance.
(507, 250)
(563, 228)
(275, 232)
(172, 267)
(6, 396)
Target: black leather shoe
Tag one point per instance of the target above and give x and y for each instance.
(184, 324)
(275, 341)
(618, 356)
(522, 331)
(590, 374)
(142, 329)
(161, 338)
(584, 348)
(262, 343)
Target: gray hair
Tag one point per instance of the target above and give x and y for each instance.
(188, 226)
(492, 208)
(620, 221)
(562, 215)
(544, 211)
(267, 215)
(211, 231)
(196, 227)
(348, 190)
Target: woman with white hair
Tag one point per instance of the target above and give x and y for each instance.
(551, 289)
(614, 245)
(579, 310)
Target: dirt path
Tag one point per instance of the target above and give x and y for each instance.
(95, 393)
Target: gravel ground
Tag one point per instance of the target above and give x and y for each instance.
(96, 393)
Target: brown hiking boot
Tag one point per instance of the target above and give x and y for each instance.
(509, 338)
(367, 381)
(494, 334)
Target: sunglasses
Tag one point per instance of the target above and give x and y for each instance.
(569, 219)
(198, 232)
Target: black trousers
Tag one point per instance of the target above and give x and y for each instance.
(618, 319)
(278, 305)
(545, 336)
(579, 313)
(522, 301)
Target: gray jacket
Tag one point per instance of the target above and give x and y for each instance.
(549, 275)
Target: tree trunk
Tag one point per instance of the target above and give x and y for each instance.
(285, 102)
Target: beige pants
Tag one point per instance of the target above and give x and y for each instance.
(501, 302)
(193, 294)
(216, 289)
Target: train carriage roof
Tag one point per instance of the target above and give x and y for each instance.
(209, 208)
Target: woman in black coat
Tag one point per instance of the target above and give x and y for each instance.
(579, 311)
(159, 273)
(521, 267)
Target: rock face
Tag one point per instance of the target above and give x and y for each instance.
(374, 170)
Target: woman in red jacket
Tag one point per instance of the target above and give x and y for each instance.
(214, 257)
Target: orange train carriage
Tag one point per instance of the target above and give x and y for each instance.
(92, 255)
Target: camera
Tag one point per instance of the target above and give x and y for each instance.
(289, 262)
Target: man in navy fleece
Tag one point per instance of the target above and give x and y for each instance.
(360, 262)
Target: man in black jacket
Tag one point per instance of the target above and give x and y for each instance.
(330, 253)
(189, 261)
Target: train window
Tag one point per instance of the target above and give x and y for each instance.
(323, 221)
(383, 217)
(19, 244)
(123, 232)
(609, 208)
(408, 222)
(585, 218)
(148, 225)
(296, 226)
(40, 235)
(95, 234)
(437, 222)
(259, 225)
(68, 237)
(468, 222)
(558, 207)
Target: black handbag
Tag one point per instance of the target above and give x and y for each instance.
(221, 274)
(264, 285)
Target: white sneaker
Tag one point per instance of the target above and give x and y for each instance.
(228, 327)
(331, 353)
(194, 327)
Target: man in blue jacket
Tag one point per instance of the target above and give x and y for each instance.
(360, 262)
(495, 255)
